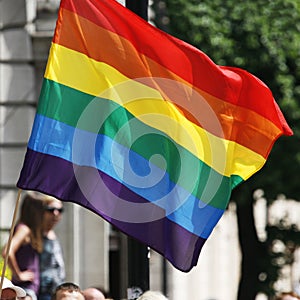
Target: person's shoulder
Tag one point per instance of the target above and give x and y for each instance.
(22, 228)
(51, 235)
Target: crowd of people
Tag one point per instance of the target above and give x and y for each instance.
(68, 291)
(71, 291)
(36, 260)
(35, 256)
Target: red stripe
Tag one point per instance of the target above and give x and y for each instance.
(78, 34)
(231, 85)
(173, 54)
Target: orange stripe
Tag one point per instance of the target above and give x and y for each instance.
(239, 124)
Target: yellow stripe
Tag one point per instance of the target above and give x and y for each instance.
(80, 72)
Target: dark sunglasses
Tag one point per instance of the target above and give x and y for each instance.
(53, 209)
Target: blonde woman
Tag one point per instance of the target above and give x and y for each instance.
(52, 268)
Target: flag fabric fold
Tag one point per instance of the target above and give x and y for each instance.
(145, 130)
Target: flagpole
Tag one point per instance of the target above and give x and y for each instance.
(13, 224)
(138, 253)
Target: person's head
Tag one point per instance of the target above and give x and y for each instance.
(67, 291)
(152, 295)
(288, 296)
(93, 294)
(10, 291)
(31, 214)
(53, 209)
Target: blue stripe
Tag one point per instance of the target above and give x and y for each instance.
(99, 151)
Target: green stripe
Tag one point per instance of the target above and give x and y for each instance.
(68, 105)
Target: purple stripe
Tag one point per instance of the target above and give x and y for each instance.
(179, 246)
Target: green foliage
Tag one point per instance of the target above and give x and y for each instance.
(262, 37)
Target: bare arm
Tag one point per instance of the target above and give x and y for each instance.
(21, 236)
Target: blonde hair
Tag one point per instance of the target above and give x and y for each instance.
(284, 294)
(152, 295)
(45, 199)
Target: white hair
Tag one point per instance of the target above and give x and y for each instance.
(152, 295)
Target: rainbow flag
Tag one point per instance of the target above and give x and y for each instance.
(145, 130)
